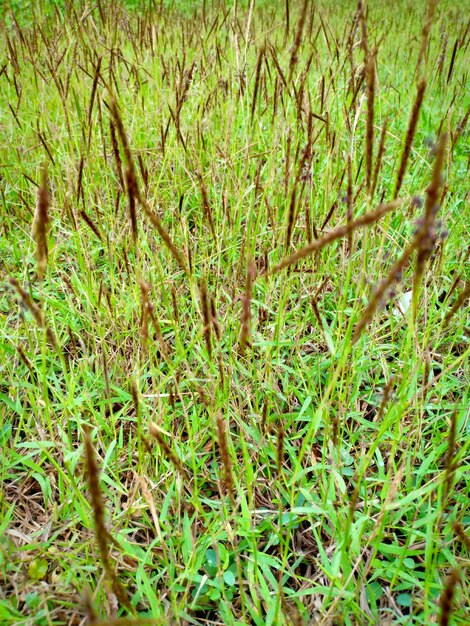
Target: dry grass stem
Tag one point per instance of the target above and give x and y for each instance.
(225, 458)
(41, 224)
(410, 133)
(337, 233)
(246, 306)
(101, 532)
(171, 456)
(177, 255)
(447, 596)
(206, 316)
(380, 154)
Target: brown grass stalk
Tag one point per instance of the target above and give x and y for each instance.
(157, 223)
(116, 153)
(464, 295)
(133, 194)
(135, 399)
(79, 193)
(25, 360)
(131, 175)
(206, 206)
(380, 154)
(337, 233)
(452, 61)
(206, 316)
(174, 303)
(259, 64)
(329, 215)
(451, 465)
(272, 50)
(410, 133)
(461, 534)
(363, 22)
(225, 458)
(91, 225)
(121, 132)
(41, 224)
(171, 456)
(92, 99)
(447, 596)
(460, 127)
(442, 56)
(291, 215)
(264, 417)
(280, 449)
(246, 306)
(102, 535)
(298, 39)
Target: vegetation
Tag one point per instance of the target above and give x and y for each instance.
(234, 313)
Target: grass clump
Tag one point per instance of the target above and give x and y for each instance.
(234, 324)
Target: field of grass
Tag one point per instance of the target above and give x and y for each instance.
(234, 322)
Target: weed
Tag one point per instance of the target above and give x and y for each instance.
(234, 322)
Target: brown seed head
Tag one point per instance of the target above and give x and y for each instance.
(41, 224)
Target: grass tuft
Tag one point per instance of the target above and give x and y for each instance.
(234, 313)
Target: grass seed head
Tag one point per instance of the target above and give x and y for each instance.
(206, 316)
(447, 596)
(246, 306)
(41, 225)
(410, 133)
(225, 458)
(101, 532)
(168, 452)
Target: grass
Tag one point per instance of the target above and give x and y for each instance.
(234, 371)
